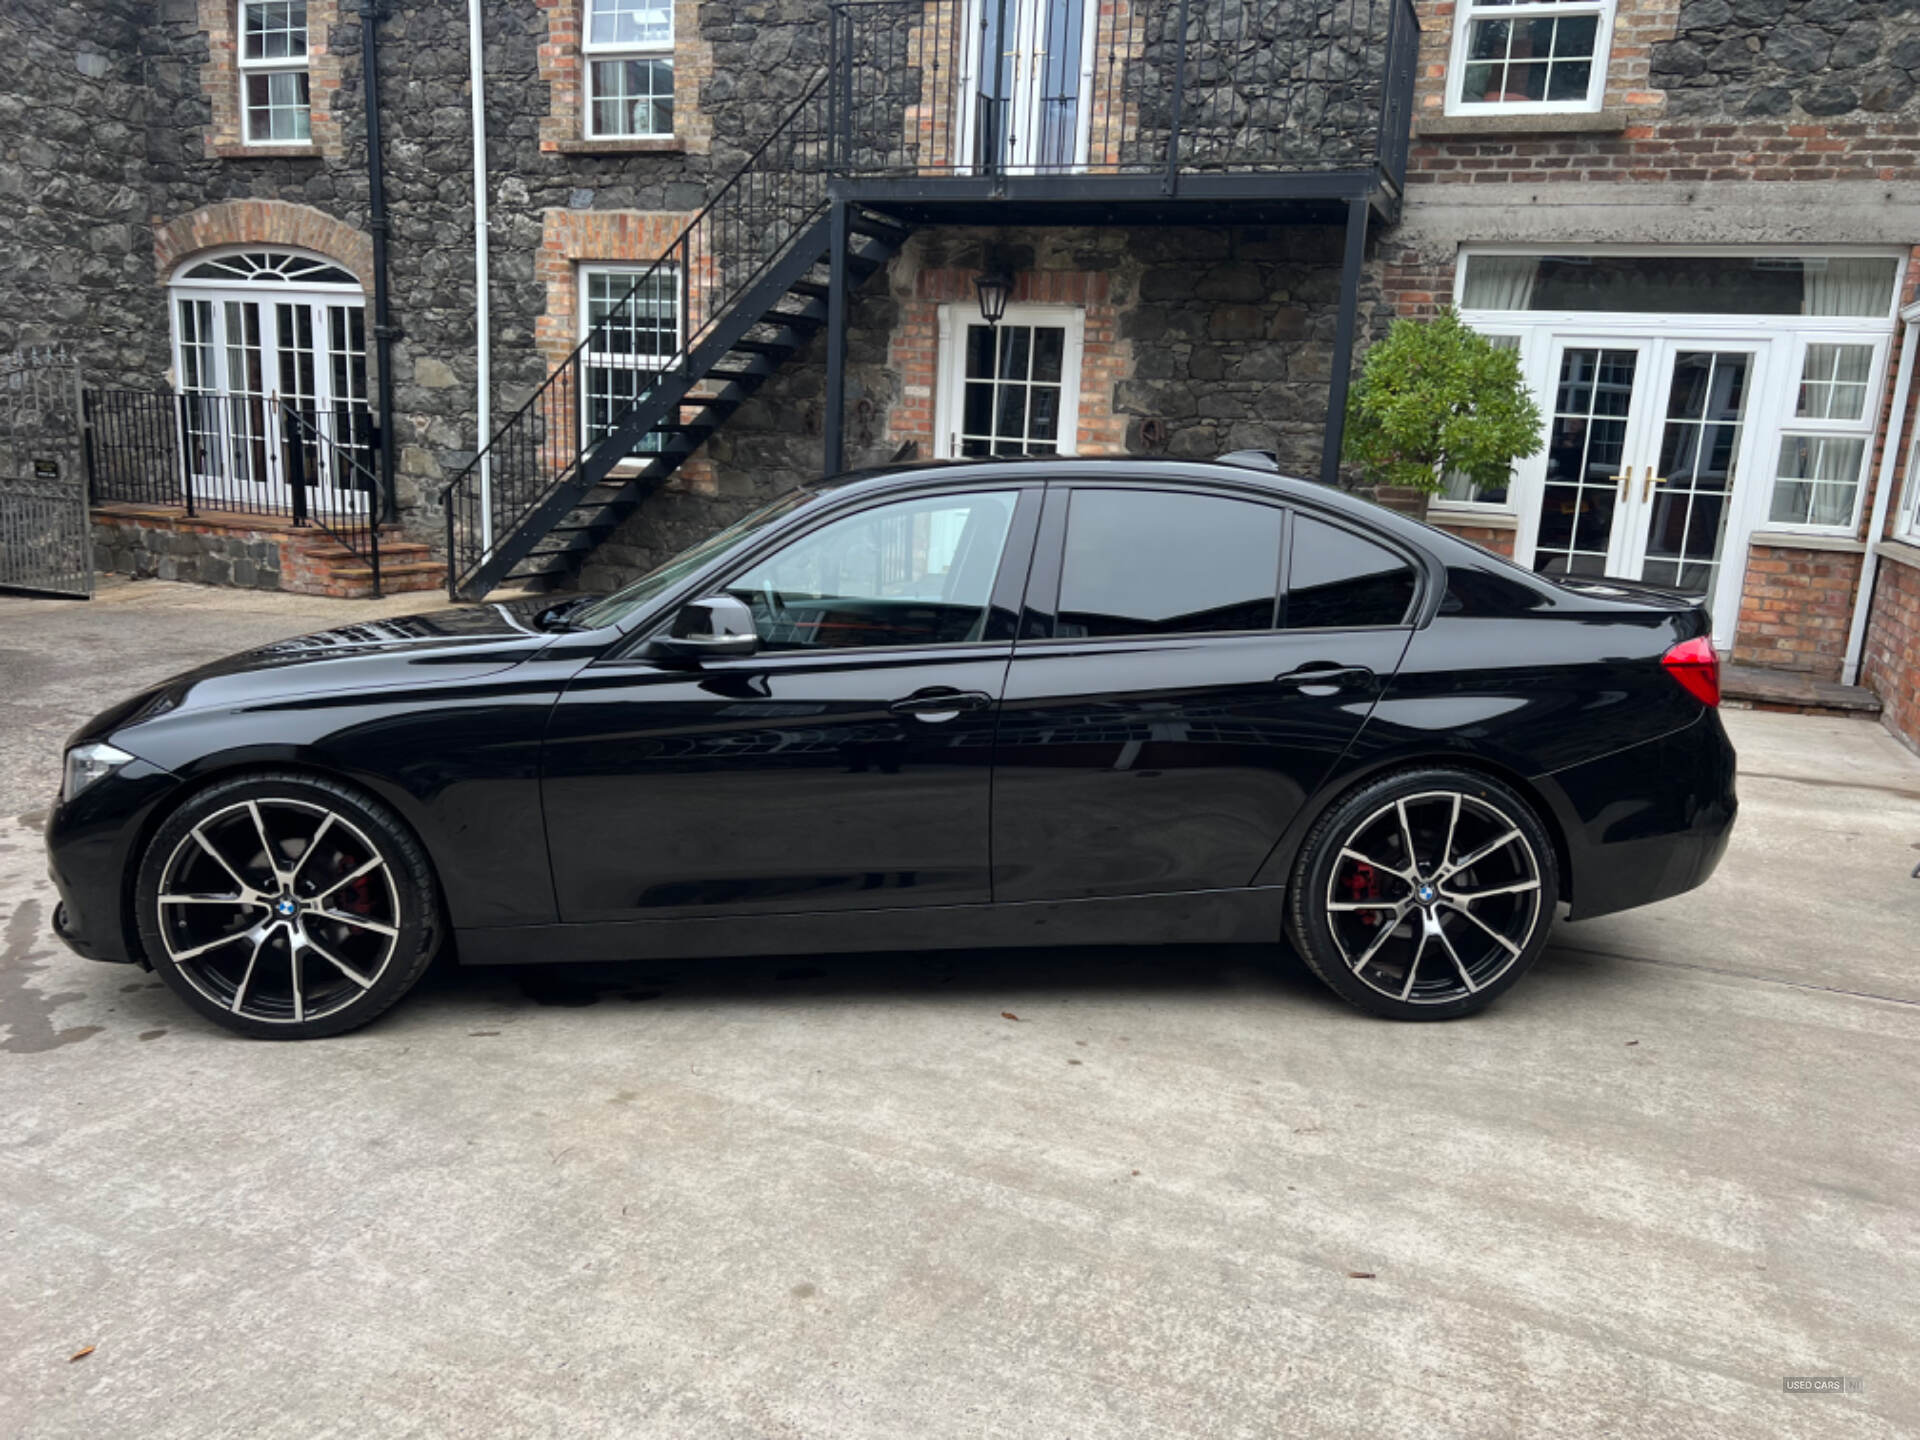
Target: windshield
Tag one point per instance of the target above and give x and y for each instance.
(615, 608)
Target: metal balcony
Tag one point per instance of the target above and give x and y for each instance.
(1154, 111)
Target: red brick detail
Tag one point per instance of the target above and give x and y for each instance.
(220, 81)
(1891, 660)
(914, 350)
(1878, 149)
(1498, 539)
(563, 67)
(1637, 25)
(262, 222)
(1795, 609)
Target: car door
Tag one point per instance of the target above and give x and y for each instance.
(1192, 663)
(844, 766)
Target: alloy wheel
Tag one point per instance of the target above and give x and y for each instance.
(1433, 897)
(278, 910)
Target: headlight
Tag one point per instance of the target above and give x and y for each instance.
(88, 763)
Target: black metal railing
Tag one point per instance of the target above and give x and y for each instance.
(928, 88)
(645, 338)
(238, 454)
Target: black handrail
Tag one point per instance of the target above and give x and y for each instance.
(775, 194)
(238, 455)
(321, 465)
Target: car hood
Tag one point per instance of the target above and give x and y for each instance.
(461, 643)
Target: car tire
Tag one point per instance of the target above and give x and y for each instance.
(1425, 894)
(286, 907)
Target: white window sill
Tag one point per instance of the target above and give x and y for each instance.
(1792, 540)
(1900, 552)
(1465, 515)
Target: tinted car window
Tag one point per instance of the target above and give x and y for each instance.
(1339, 580)
(916, 572)
(1150, 562)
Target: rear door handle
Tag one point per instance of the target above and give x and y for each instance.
(1325, 679)
(937, 706)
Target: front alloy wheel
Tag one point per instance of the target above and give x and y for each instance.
(1426, 894)
(283, 906)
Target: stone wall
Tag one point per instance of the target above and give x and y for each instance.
(77, 265)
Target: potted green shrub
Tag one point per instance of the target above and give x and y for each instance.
(1434, 399)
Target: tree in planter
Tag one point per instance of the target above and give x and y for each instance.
(1435, 399)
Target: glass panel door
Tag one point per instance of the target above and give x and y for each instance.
(1589, 427)
(240, 359)
(1027, 84)
(1685, 498)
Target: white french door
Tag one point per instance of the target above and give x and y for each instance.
(1649, 445)
(238, 359)
(1036, 57)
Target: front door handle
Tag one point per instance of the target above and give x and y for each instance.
(936, 707)
(1325, 679)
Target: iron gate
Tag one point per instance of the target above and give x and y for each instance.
(46, 542)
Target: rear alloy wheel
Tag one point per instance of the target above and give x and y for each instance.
(285, 907)
(1425, 895)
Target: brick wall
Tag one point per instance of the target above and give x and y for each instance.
(1891, 660)
(1497, 538)
(1795, 609)
(1106, 359)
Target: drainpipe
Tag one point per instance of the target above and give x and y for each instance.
(1882, 497)
(370, 12)
(482, 326)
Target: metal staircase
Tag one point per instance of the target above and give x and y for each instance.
(749, 277)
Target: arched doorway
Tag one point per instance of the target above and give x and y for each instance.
(258, 330)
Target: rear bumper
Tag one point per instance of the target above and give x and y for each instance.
(1648, 822)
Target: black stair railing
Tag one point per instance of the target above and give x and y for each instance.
(644, 343)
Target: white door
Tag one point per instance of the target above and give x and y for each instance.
(241, 355)
(1032, 116)
(1011, 388)
(1646, 465)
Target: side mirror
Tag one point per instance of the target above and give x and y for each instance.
(717, 625)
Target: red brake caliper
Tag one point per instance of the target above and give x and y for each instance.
(1364, 884)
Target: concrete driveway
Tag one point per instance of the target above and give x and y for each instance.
(1184, 1193)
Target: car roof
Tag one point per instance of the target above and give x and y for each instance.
(1244, 469)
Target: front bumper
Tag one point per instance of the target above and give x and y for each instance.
(92, 846)
(1648, 822)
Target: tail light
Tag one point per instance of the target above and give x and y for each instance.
(1696, 667)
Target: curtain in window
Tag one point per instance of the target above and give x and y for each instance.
(1499, 282)
(1847, 287)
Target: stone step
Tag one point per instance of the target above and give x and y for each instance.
(1757, 688)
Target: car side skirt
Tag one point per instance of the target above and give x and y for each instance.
(1247, 916)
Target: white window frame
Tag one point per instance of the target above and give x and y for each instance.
(1791, 424)
(1906, 524)
(632, 270)
(950, 375)
(274, 65)
(592, 51)
(1470, 11)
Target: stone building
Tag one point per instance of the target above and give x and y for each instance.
(1694, 219)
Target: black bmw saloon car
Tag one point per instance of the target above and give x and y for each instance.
(1001, 703)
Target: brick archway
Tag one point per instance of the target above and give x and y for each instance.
(263, 222)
